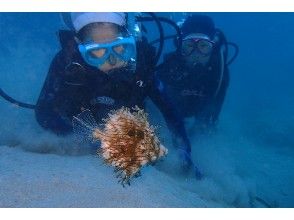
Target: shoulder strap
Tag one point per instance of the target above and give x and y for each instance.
(66, 38)
(145, 61)
(68, 45)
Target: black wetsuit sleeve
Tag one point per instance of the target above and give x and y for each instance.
(158, 95)
(173, 119)
(211, 113)
(50, 109)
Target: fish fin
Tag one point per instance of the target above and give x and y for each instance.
(84, 125)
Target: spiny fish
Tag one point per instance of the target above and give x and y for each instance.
(128, 141)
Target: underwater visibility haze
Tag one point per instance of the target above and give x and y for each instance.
(248, 162)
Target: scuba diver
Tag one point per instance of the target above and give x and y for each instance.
(102, 67)
(197, 76)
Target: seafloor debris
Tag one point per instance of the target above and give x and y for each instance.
(128, 141)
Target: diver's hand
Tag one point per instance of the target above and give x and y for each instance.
(187, 163)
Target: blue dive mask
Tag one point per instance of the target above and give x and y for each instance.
(96, 54)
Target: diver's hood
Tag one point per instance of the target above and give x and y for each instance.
(122, 19)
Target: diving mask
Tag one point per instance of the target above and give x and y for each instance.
(199, 43)
(96, 54)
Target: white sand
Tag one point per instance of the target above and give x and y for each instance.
(48, 180)
(39, 169)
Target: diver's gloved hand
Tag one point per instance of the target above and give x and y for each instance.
(187, 163)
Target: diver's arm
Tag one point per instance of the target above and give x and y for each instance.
(48, 108)
(172, 117)
(146, 54)
(176, 125)
(157, 93)
(211, 113)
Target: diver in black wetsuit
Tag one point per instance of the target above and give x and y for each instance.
(197, 78)
(101, 67)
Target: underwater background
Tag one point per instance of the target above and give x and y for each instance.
(248, 163)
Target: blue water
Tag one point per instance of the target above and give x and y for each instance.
(250, 161)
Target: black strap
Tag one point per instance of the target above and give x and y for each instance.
(66, 37)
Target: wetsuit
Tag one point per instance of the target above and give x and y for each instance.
(198, 92)
(72, 85)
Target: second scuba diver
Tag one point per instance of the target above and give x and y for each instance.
(197, 77)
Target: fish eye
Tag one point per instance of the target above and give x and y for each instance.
(131, 133)
(140, 134)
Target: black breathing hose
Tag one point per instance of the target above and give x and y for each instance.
(160, 29)
(13, 101)
(139, 19)
(177, 36)
(172, 36)
(236, 52)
